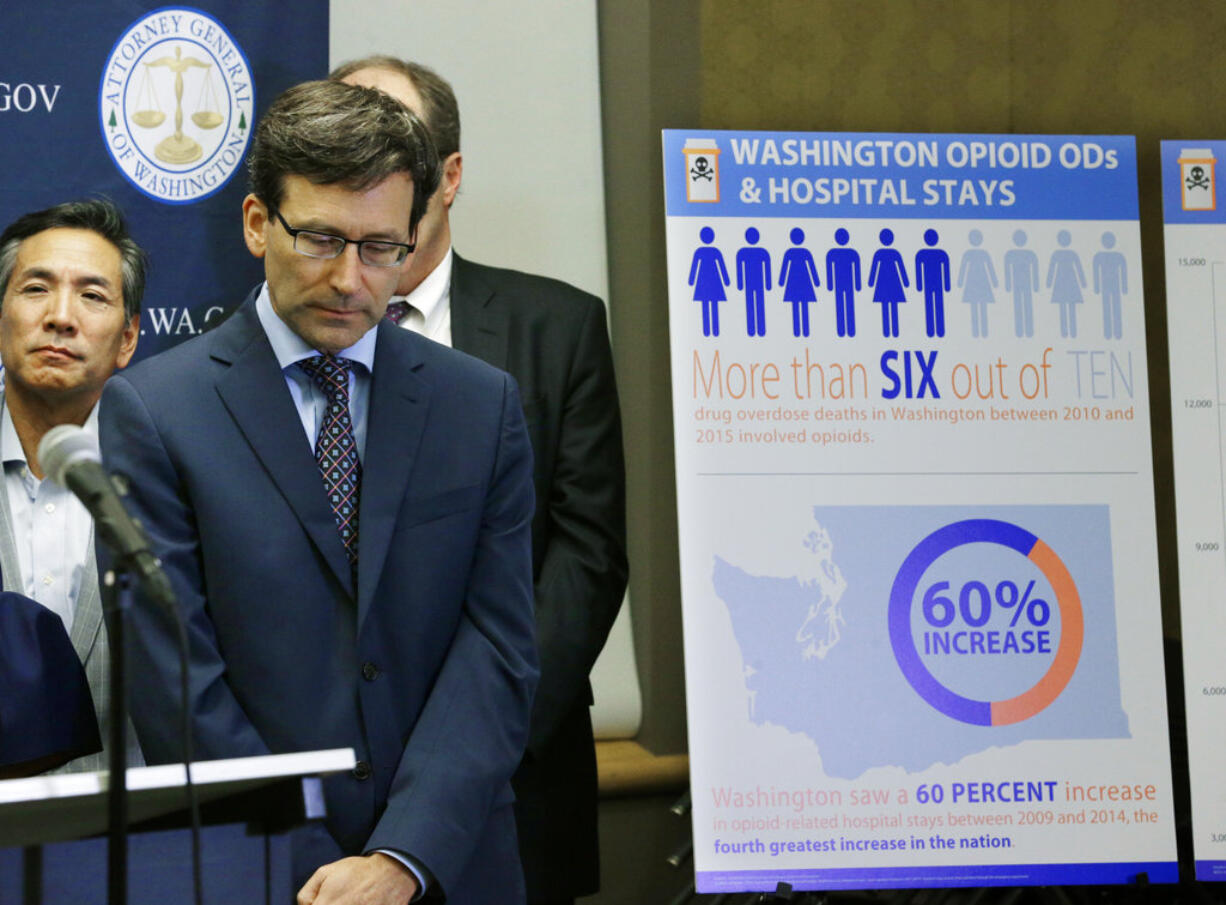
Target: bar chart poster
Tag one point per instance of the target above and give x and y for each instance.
(917, 548)
(1195, 237)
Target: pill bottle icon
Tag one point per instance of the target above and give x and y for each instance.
(1196, 179)
(701, 169)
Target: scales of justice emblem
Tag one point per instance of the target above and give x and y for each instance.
(177, 147)
(175, 99)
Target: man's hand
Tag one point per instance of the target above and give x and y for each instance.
(374, 879)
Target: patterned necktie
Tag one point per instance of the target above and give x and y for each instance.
(398, 311)
(336, 449)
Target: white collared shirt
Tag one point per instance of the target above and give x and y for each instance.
(431, 300)
(51, 527)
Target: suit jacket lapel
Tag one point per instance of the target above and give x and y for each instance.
(253, 390)
(87, 617)
(477, 327)
(399, 401)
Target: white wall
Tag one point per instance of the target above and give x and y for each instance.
(526, 75)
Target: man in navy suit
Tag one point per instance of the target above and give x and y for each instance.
(552, 339)
(344, 510)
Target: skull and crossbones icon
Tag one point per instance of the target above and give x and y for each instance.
(1197, 178)
(701, 169)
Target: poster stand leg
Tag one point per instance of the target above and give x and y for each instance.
(684, 896)
(681, 855)
(782, 893)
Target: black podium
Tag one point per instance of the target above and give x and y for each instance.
(53, 845)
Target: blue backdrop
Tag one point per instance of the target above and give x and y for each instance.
(152, 106)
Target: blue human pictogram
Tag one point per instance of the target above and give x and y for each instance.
(1022, 279)
(888, 276)
(1111, 282)
(709, 276)
(1066, 279)
(932, 278)
(977, 279)
(799, 279)
(843, 279)
(753, 276)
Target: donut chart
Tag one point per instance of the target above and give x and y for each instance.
(1068, 601)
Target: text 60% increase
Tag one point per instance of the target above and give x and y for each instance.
(975, 603)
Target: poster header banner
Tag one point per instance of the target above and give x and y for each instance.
(908, 175)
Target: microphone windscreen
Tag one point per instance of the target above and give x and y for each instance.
(63, 446)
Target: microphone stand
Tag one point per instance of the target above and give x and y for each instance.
(70, 456)
(116, 602)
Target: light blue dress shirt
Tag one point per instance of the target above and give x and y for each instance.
(51, 527)
(310, 401)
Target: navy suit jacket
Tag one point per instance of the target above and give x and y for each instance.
(46, 714)
(426, 669)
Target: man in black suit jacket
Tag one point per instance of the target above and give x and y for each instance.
(552, 338)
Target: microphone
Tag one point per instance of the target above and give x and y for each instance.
(69, 456)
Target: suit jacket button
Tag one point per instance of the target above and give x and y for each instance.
(361, 771)
(370, 672)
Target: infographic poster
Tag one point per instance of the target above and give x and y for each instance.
(1195, 232)
(918, 558)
